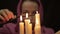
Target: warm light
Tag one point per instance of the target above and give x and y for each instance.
(37, 28)
(37, 12)
(30, 28)
(21, 27)
(26, 15)
(20, 17)
(37, 22)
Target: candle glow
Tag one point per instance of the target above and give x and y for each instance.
(21, 26)
(26, 15)
(20, 17)
(37, 28)
(36, 12)
(37, 18)
(28, 25)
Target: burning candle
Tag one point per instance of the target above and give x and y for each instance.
(37, 18)
(21, 26)
(27, 21)
(37, 28)
(30, 28)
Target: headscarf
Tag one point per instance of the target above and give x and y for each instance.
(40, 9)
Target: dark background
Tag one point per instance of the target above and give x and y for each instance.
(51, 11)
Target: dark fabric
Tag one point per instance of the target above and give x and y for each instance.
(10, 29)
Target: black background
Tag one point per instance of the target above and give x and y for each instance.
(51, 11)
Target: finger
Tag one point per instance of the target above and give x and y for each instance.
(15, 16)
(12, 15)
(8, 13)
(2, 18)
(5, 15)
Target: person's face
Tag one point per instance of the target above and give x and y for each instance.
(29, 7)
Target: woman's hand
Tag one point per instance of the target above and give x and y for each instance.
(5, 15)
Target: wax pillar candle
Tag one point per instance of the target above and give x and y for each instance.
(30, 28)
(21, 26)
(37, 18)
(37, 28)
(27, 21)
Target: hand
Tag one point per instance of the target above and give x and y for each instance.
(5, 15)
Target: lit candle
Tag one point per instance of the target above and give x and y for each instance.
(30, 28)
(27, 21)
(37, 28)
(21, 26)
(37, 18)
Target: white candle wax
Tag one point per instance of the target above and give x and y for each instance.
(21, 26)
(37, 28)
(27, 21)
(30, 28)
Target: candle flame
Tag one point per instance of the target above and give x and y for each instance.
(20, 17)
(37, 12)
(26, 15)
